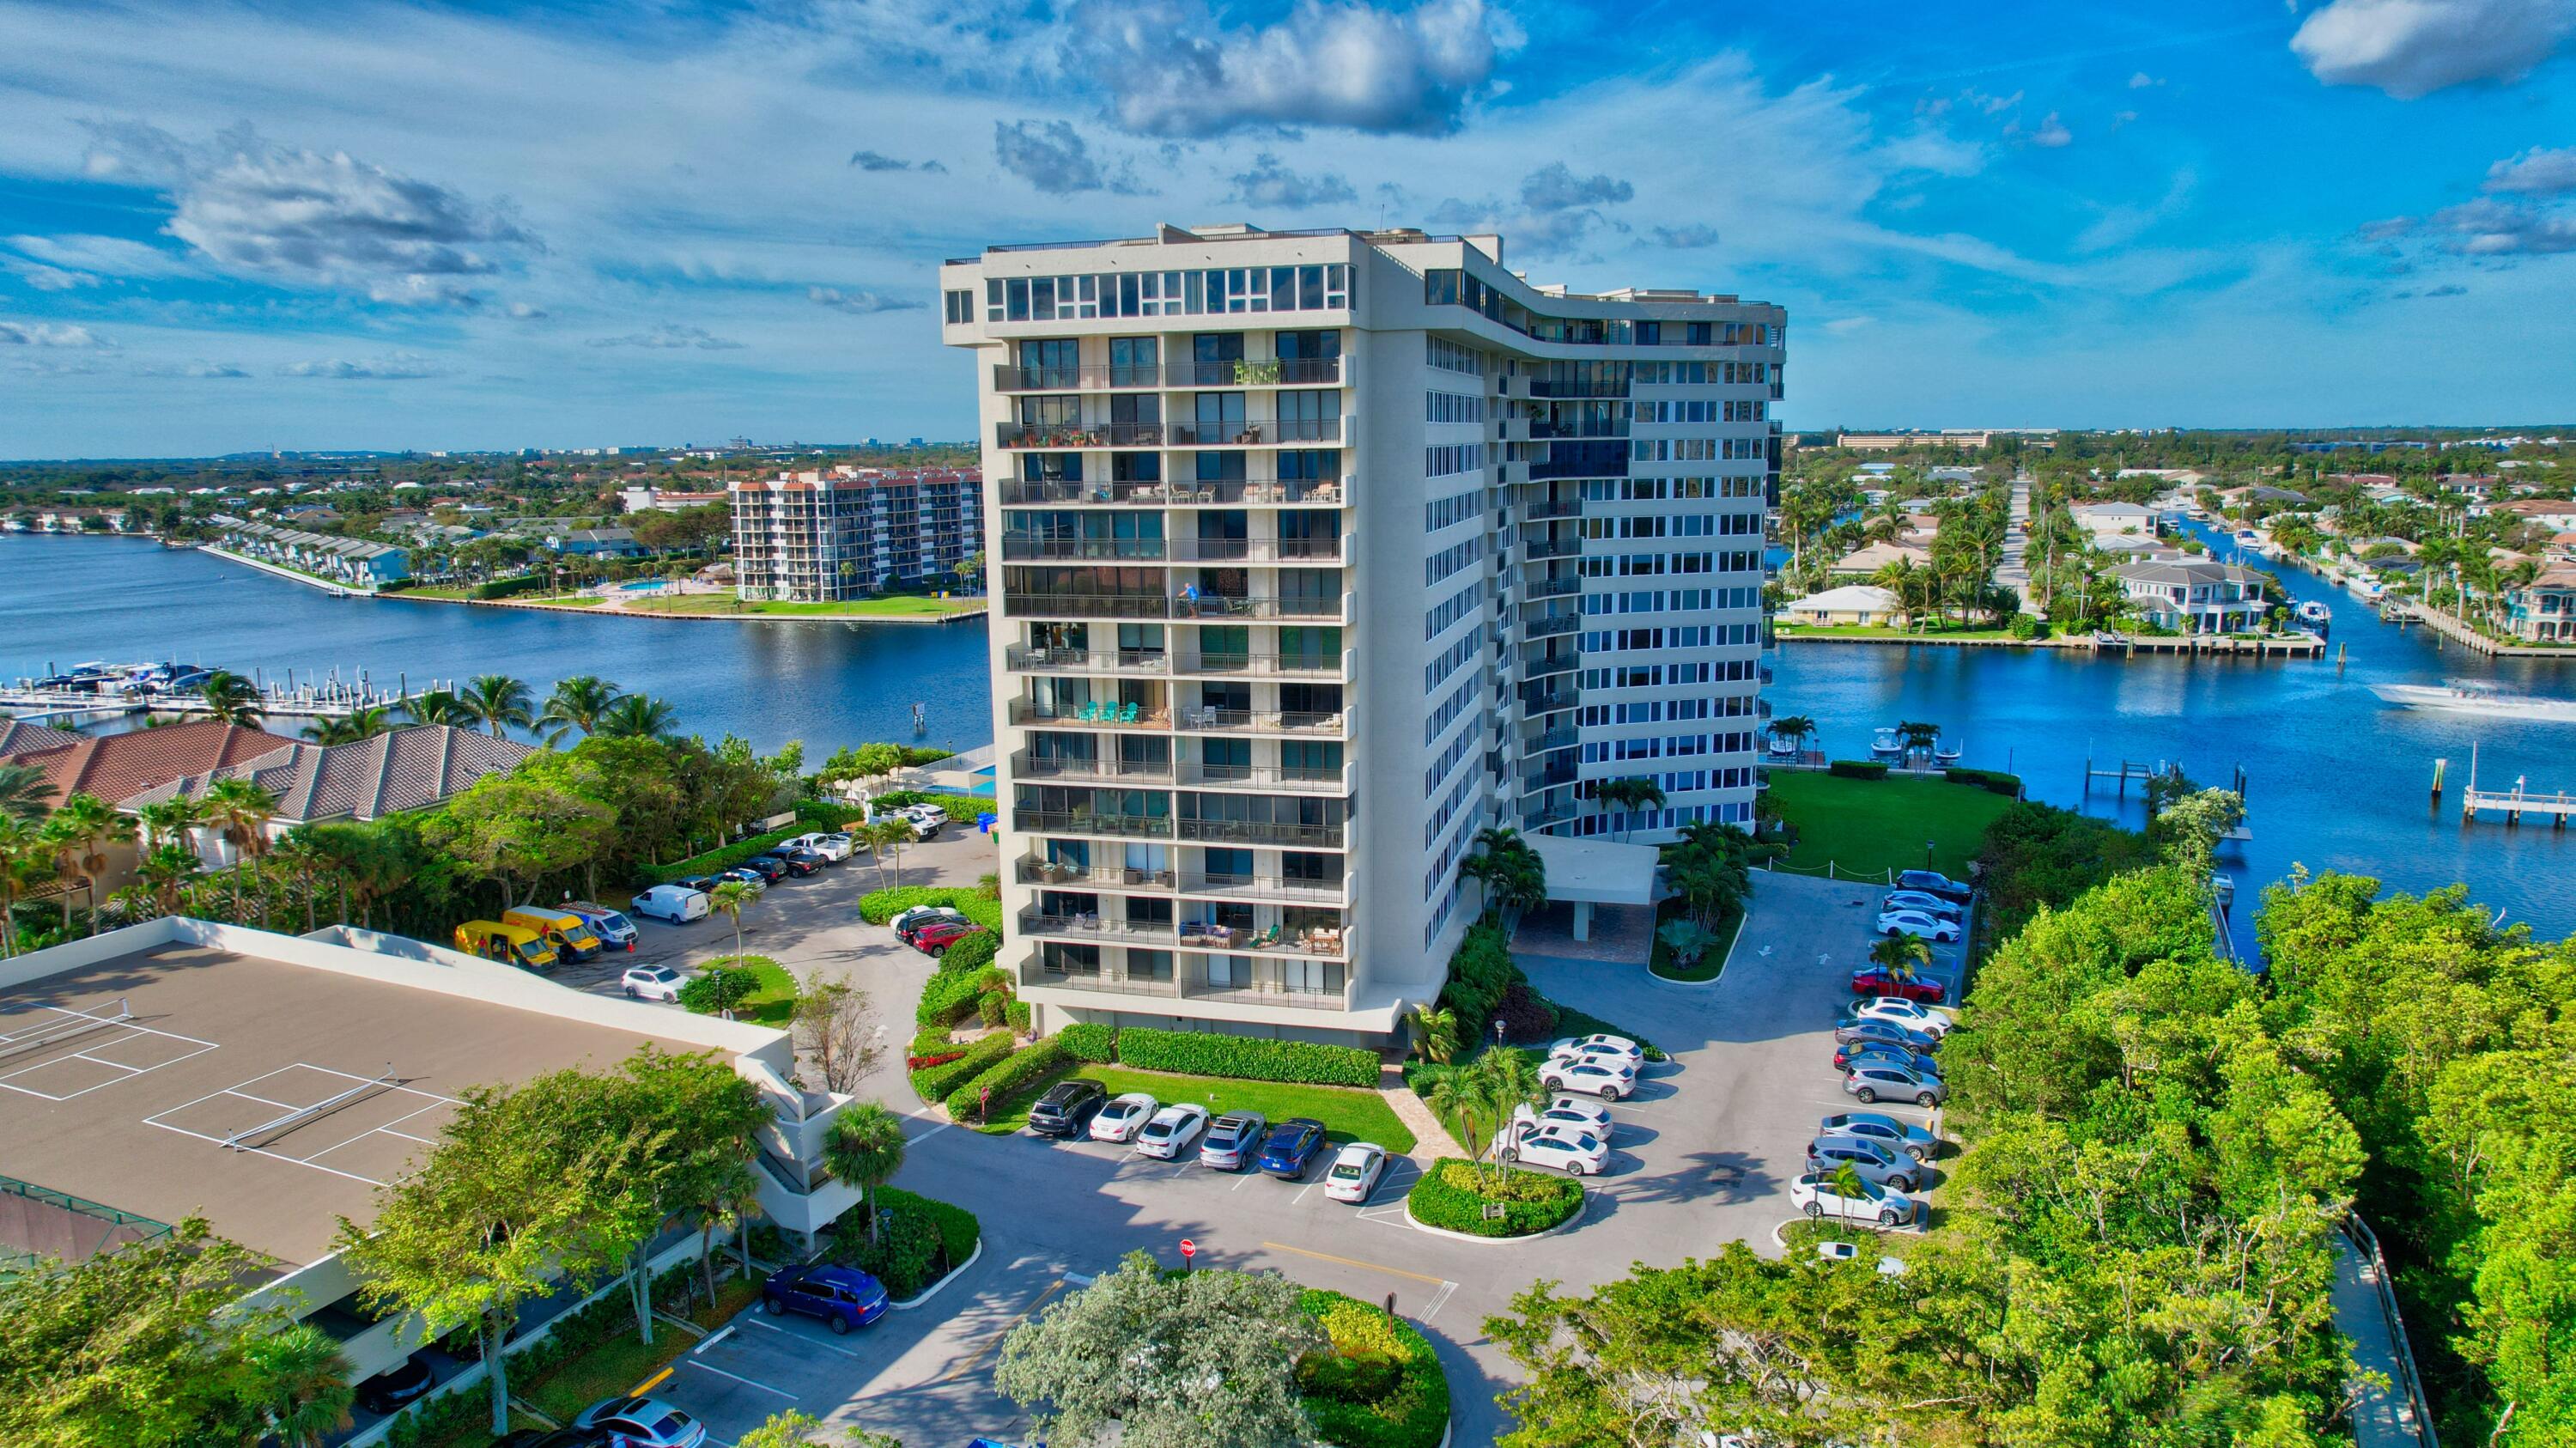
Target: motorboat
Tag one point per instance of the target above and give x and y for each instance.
(1783, 747)
(1885, 742)
(2314, 611)
(1947, 753)
(2476, 698)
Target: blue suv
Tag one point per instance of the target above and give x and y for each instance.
(1293, 1143)
(844, 1297)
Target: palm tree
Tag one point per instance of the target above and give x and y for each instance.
(82, 830)
(22, 844)
(498, 702)
(576, 703)
(865, 1149)
(1796, 728)
(307, 864)
(169, 866)
(349, 728)
(299, 1383)
(729, 1202)
(24, 791)
(233, 699)
(638, 716)
(1918, 737)
(1628, 796)
(1504, 1080)
(437, 706)
(1436, 1030)
(241, 810)
(730, 897)
(169, 821)
(1902, 956)
(887, 838)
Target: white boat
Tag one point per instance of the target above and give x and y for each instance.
(1947, 753)
(2481, 699)
(1886, 742)
(2315, 611)
(1784, 747)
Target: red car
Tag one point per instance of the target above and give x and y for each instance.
(1877, 982)
(934, 940)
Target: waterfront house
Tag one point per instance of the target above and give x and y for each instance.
(1866, 560)
(403, 769)
(2112, 520)
(596, 543)
(1860, 604)
(17, 737)
(2558, 516)
(2544, 610)
(120, 766)
(2196, 597)
(353, 561)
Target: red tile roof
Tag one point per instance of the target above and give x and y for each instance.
(115, 766)
(17, 738)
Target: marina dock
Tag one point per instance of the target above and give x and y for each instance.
(326, 696)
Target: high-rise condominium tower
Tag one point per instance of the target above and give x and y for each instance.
(1315, 553)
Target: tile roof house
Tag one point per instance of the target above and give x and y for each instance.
(119, 766)
(403, 769)
(18, 738)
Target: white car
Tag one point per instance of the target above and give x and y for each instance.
(1355, 1172)
(1567, 1111)
(1569, 1149)
(676, 904)
(1915, 922)
(1172, 1130)
(1932, 905)
(1817, 1197)
(834, 848)
(906, 919)
(1600, 1076)
(651, 983)
(1850, 1251)
(927, 819)
(1914, 1014)
(1123, 1117)
(1597, 1045)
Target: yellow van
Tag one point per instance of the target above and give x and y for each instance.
(566, 931)
(509, 944)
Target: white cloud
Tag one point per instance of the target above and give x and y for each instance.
(2535, 172)
(1685, 238)
(2487, 227)
(196, 369)
(2412, 48)
(1845, 326)
(863, 303)
(1270, 183)
(2142, 81)
(45, 278)
(112, 256)
(1175, 69)
(44, 334)
(670, 337)
(879, 161)
(399, 366)
(2052, 133)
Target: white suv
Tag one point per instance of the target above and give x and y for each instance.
(651, 983)
(1569, 1149)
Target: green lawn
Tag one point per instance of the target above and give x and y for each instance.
(1348, 1115)
(1866, 826)
(431, 591)
(1869, 631)
(624, 1363)
(569, 600)
(775, 1001)
(893, 606)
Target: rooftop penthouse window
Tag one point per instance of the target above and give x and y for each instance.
(1223, 290)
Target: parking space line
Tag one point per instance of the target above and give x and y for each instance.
(739, 1378)
(800, 1337)
(1439, 1300)
(1353, 1262)
(1301, 1191)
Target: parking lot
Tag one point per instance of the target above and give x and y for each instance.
(1703, 1154)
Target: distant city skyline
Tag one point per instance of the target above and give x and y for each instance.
(227, 229)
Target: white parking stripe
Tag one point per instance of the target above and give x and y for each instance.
(739, 1378)
(800, 1337)
(1439, 1300)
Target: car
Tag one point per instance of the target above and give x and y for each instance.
(913, 928)
(1874, 1162)
(1121, 1119)
(1932, 905)
(1877, 981)
(1916, 922)
(1888, 1031)
(1874, 1081)
(1886, 1130)
(798, 863)
(1564, 1147)
(651, 983)
(673, 904)
(1592, 1075)
(1291, 1145)
(402, 1383)
(614, 928)
(745, 874)
(645, 1422)
(934, 942)
(906, 921)
(1911, 1014)
(1172, 1130)
(1932, 882)
(1850, 1252)
(833, 848)
(1598, 1045)
(1846, 1055)
(844, 1297)
(704, 884)
(1592, 1116)
(1355, 1172)
(1234, 1140)
(1817, 1196)
(771, 871)
(1067, 1107)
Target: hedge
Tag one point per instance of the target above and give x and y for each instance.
(828, 816)
(508, 587)
(944, 999)
(1453, 1196)
(1858, 768)
(1381, 1386)
(1246, 1058)
(970, 953)
(1008, 1075)
(879, 906)
(715, 860)
(923, 1241)
(933, 1083)
(932, 1048)
(1993, 780)
(962, 809)
(1088, 1041)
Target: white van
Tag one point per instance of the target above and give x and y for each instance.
(676, 904)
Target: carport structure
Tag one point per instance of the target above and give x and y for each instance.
(1585, 873)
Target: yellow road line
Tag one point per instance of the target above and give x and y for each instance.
(990, 1343)
(1352, 1262)
(649, 1384)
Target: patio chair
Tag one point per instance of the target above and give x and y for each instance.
(1130, 714)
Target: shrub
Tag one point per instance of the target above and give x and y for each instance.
(1525, 1014)
(1453, 1196)
(1007, 1076)
(2027, 626)
(879, 906)
(827, 815)
(970, 954)
(1018, 1017)
(989, 1007)
(1247, 1058)
(1380, 1387)
(1993, 780)
(1859, 768)
(919, 1242)
(1478, 975)
(958, 1229)
(507, 587)
(933, 1083)
(932, 1048)
(718, 988)
(714, 860)
(945, 999)
(1088, 1041)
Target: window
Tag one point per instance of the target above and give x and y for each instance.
(961, 307)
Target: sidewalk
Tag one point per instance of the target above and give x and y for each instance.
(2384, 1417)
(1431, 1140)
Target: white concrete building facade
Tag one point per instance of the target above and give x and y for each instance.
(1314, 554)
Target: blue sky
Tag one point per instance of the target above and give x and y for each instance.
(369, 225)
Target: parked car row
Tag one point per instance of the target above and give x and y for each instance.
(931, 929)
(1886, 1047)
(692, 897)
(1080, 1108)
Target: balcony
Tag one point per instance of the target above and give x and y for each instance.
(1051, 436)
(1281, 666)
(1548, 701)
(1549, 625)
(1024, 659)
(1264, 832)
(1022, 492)
(1543, 387)
(1028, 547)
(1554, 548)
(1087, 822)
(1104, 877)
(1255, 550)
(1103, 715)
(1007, 378)
(1106, 982)
(1056, 768)
(1564, 736)
(1538, 662)
(1086, 605)
(1266, 994)
(1228, 608)
(1546, 815)
(1265, 777)
(1555, 588)
(1209, 719)
(1548, 778)
(1098, 927)
(1264, 887)
(1273, 432)
(1270, 372)
(1556, 508)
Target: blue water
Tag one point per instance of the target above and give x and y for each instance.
(827, 683)
(649, 585)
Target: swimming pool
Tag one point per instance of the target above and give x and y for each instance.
(649, 585)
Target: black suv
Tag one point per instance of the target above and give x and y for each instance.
(799, 863)
(766, 867)
(1067, 1108)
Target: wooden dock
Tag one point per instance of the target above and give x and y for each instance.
(2300, 646)
(2516, 803)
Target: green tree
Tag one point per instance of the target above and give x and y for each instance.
(24, 791)
(865, 1149)
(1901, 956)
(1435, 1032)
(349, 728)
(1796, 728)
(298, 1384)
(437, 706)
(888, 837)
(576, 704)
(1141, 1347)
(82, 830)
(515, 833)
(1625, 796)
(164, 870)
(730, 897)
(232, 699)
(719, 986)
(499, 703)
(239, 809)
(793, 1429)
(22, 845)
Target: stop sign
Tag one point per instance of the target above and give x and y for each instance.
(1189, 1249)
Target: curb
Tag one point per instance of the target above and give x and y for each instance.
(1567, 1225)
(1742, 924)
(935, 1288)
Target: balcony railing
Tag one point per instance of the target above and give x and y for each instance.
(1052, 436)
(1107, 927)
(1105, 877)
(1100, 716)
(1218, 606)
(1564, 736)
(1547, 815)
(1107, 982)
(1264, 832)
(1268, 433)
(1007, 378)
(1274, 995)
(1254, 550)
(1023, 492)
(1554, 548)
(1261, 665)
(1548, 701)
(1210, 719)
(1555, 587)
(1262, 887)
(1108, 771)
(1085, 822)
(1263, 776)
(1547, 779)
(1026, 659)
(1544, 430)
(1542, 387)
(1086, 605)
(1535, 662)
(1557, 508)
(1548, 625)
(1023, 547)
